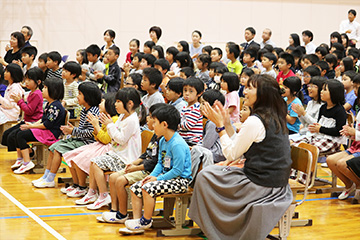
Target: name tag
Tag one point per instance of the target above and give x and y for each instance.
(154, 151)
(167, 162)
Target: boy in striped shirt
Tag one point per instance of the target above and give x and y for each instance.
(191, 125)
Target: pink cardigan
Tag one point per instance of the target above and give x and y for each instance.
(33, 110)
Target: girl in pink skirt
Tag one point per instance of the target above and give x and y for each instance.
(78, 159)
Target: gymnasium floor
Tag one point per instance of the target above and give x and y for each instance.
(30, 213)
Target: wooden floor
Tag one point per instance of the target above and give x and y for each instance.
(54, 216)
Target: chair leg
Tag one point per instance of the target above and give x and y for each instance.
(285, 222)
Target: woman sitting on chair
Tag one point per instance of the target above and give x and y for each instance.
(233, 203)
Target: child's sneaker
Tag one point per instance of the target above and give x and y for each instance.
(17, 164)
(68, 189)
(110, 217)
(37, 180)
(77, 192)
(100, 203)
(24, 168)
(126, 231)
(135, 224)
(345, 194)
(87, 199)
(44, 184)
(100, 219)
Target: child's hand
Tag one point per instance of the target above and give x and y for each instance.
(298, 109)
(347, 131)
(99, 75)
(63, 103)
(15, 97)
(148, 179)
(337, 71)
(2, 61)
(105, 119)
(18, 62)
(256, 71)
(84, 70)
(314, 128)
(92, 119)
(130, 168)
(67, 129)
(25, 126)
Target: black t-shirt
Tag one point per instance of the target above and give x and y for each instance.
(10, 56)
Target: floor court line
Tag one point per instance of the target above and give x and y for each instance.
(32, 215)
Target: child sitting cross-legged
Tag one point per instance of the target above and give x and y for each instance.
(134, 172)
(172, 173)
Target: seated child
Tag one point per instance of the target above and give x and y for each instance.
(150, 83)
(9, 110)
(47, 130)
(81, 58)
(292, 95)
(171, 174)
(171, 53)
(230, 84)
(78, 159)
(233, 52)
(332, 61)
(89, 97)
(244, 78)
(203, 61)
(267, 61)
(309, 72)
(134, 67)
(324, 67)
(191, 126)
(42, 63)
(134, 47)
(126, 146)
(173, 94)
(285, 62)
(52, 63)
(95, 65)
(219, 70)
(147, 61)
(134, 80)
(163, 66)
(71, 72)
(350, 97)
(249, 57)
(133, 172)
(186, 72)
(3, 83)
(28, 55)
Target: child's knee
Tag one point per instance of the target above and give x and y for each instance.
(113, 177)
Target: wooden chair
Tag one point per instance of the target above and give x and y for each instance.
(302, 161)
(146, 136)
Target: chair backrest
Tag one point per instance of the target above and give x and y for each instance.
(315, 155)
(146, 136)
(350, 122)
(67, 117)
(302, 161)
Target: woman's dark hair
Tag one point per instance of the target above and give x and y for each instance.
(136, 41)
(269, 104)
(131, 94)
(55, 87)
(157, 31)
(149, 44)
(20, 38)
(15, 71)
(296, 39)
(319, 82)
(185, 46)
(184, 59)
(84, 56)
(337, 36)
(336, 89)
(198, 32)
(294, 84)
(111, 33)
(347, 39)
(348, 64)
(232, 81)
(35, 74)
(110, 104)
(160, 50)
(91, 92)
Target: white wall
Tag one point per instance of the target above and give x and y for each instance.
(68, 25)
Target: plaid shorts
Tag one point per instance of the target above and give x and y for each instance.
(162, 187)
(324, 145)
(109, 161)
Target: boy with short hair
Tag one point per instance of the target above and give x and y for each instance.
(191, 126)
(42, 63)
(163, 66)
(249, 57)
(172, 173)
(28, 55)
(307, 37)
(234, 65)
(187, 72)
(150, 83)
(147, 61)
(202, 63)
(52, 63)
(71, 71)
(332, 61)
(134, 67)
(321, 52)
(285, 62)
(267, 61)
(110, 79)
(323, 66)
(173, 93)
(350, 97)
(93, 53)
(310, 59)
(354, 53)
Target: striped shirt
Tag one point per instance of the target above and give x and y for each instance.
(191, 125)
(56, 73)
(85, 129)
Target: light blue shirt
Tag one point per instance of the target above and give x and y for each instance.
(296, 126)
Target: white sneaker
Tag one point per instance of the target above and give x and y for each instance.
(110, 217)
(126, 231)
(67, 190)
(100, 203)
(134, 224)
(24, 168)
(37, 180)
(17, 164)
(324, 165)
(77, 192)
(44, 184)
(87, 199)
(100, 219)
(345, 194)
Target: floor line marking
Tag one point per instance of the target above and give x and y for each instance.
(55, 207)
(32, 215)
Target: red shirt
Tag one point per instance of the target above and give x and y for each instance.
(281, 77)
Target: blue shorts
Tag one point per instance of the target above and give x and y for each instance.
(355, 154)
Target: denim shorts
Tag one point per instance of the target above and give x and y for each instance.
(355, 154)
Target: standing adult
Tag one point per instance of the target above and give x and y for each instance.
(351, 27)
(266, 35)
(246, 203)
(155, 33)
(17, 42)
(109, 36)
(196, 45)
(27, 32)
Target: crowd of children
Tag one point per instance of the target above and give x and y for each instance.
(165, 91)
